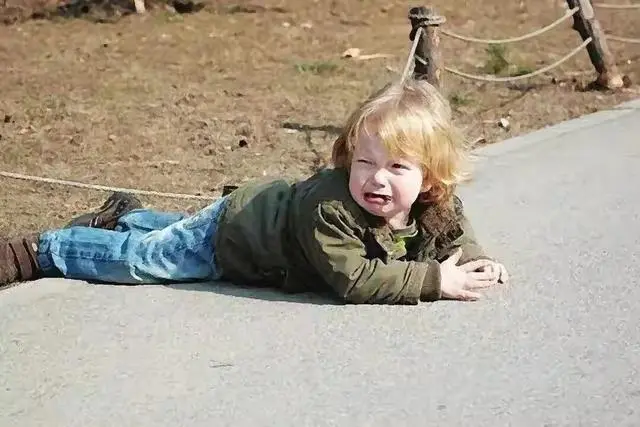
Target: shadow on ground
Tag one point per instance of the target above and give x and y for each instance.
(266, 294)
(258, 293)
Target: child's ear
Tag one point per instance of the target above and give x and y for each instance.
(424, 195)
(425, 188)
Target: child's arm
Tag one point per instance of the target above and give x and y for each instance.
(465, 239)
(467, 242)
(339, 256)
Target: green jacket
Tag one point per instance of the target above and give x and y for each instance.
(312, 236)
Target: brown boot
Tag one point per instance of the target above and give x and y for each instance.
(107, 215)
(19, 260)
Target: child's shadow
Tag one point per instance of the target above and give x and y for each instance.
(267, 294)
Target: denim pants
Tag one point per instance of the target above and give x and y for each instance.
(146, 247)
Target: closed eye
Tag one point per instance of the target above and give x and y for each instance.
(400, 166)
(365, 161)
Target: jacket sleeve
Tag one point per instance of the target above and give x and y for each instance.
(461, 236)
(339, 256)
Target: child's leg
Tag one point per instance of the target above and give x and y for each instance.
(145, 220)
(107, 215)
(182, 251)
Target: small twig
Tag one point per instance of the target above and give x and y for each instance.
(373, 56)
(220, 365)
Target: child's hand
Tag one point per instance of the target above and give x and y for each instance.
(498, 272)
(457, 280)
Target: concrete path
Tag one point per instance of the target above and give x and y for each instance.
(561, 347)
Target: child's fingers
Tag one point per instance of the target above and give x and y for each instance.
(466, 295)
(504, 274)
(461, 295)
(475, 265)
(489, 276)
(486, 275)
(479, 284)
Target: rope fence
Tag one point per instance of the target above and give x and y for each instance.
(522, 76)
(102, 187)
(426, 57)
(428, 62)
(617, 6)
(622, 39)
(530, 35)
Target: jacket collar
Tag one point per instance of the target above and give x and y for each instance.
(433, 221)
(436, 218)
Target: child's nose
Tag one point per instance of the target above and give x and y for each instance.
(379, 177)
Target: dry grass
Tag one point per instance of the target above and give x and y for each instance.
(188, 103)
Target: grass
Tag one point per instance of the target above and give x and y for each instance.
(317, 68)
(496, 61)
(459, 99)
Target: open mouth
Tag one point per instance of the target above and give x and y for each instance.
(377, 198)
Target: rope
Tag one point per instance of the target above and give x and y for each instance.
(524, 76)
(542, 30)
(622, 39)
(411, 57)
(102, 187)
(412, 53)
(157, 193)
(617, 6)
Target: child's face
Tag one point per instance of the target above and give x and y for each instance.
(381, 185)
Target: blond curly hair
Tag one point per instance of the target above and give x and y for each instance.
(412, 120)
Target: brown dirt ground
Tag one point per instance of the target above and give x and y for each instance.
(163, 101)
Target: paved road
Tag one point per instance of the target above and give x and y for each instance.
(560, 348)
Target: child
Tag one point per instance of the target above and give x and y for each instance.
(382, 226)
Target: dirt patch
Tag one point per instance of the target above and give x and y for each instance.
(189, 103)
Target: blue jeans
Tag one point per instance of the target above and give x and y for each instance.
(146, 247)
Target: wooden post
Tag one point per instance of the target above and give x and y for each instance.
(139, 4)
(586, 24)
(428, 59)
